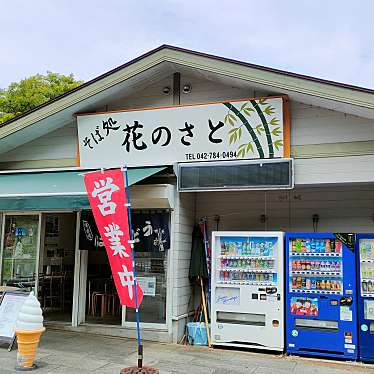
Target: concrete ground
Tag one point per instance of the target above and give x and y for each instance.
(76, 353)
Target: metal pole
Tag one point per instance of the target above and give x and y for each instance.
(140, 347)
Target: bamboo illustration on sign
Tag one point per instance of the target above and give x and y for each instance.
(239, 118)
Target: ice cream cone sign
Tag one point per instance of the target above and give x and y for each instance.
(29, 328)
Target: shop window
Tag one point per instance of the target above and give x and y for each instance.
(152, 241)
(20, 245)
(151, 233)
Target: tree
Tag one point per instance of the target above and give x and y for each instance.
(30, 92)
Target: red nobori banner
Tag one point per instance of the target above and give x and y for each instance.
(106, 192)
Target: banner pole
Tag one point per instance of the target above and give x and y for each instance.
(140, 347)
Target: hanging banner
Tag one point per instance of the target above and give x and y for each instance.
(106, 193)
(232, 130)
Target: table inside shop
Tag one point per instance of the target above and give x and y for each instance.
(105, 290)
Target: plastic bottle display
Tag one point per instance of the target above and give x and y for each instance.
(328, 246)
(247, 262)
(260, 247)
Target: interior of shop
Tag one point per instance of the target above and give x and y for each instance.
(152, 241)
(56, 266)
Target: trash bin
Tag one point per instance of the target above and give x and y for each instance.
(196, 333)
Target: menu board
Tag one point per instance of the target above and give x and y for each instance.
(10, 306)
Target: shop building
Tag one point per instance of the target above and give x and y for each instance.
(328, 142)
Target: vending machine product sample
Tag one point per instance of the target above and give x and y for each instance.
(365, 279)
(247, 289)
(321, 315)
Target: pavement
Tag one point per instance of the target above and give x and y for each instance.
(77, 353)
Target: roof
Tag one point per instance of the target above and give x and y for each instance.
(196, 53)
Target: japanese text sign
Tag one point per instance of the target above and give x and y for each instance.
(242, 129)
(107, 197)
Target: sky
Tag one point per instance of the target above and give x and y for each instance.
(330, 39)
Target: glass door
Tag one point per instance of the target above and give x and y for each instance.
(152, 242)
(20, 250)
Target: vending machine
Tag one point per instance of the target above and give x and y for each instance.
(247, 290)
(365, 279)
(321, 316)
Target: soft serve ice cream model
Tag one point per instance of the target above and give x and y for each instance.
(29, 328)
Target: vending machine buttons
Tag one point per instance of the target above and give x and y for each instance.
(255, 296)
(263, 296)
(271, 290)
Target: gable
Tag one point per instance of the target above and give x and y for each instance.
(161, 63)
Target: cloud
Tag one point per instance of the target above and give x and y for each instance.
(328, 39)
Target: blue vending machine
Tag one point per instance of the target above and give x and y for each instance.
(365, 280)
(321, 303)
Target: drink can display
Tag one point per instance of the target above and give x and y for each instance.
(313, 246)
(307, 246)
(298, 245)
(364, 286)
(308, 284)
(313, 285)
(338, 246)
(293, 282)
(332, 245)
(303, 248)
(370, 286)
(327, 245)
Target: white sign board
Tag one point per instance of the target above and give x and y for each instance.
(227, 296)
(244, 129)
(148, 285)
(9, 309)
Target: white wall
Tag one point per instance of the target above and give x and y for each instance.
(184, 218)
(341, 209)
(59, 144)
(314, 125)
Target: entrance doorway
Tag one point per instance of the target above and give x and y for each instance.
(56, 266)
(102, 305)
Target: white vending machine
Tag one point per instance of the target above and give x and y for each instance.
(247, 289)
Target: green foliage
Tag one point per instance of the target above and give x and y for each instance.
(231, 119)
(262, 102)
(30, 92)
(246, 109)
(244, 149)
(274, 122)
(276, 131)
(269, 110)
(235, 134)
(259, 129)
(278, 144)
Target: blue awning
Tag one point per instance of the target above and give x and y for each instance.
(53, 190)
